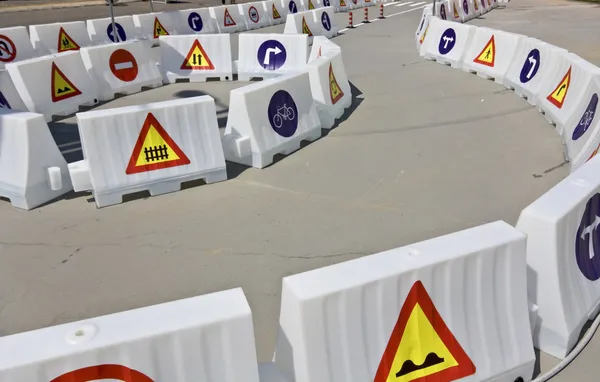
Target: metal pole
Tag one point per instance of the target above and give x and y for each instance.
(115, 32)
(151, 6)
(433, 7)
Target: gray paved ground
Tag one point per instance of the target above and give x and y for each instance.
(427, 150)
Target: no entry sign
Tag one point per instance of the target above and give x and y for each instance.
(123, 65)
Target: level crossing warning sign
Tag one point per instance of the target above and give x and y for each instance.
(65, 42)
(197, 59)
(421, 347)
(60, 86)
(154, 149)
(8, 50)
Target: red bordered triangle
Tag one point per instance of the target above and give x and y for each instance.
(420, 332)
(558, 95)
(197, 59)
(228, 21)
(159, 30)
(335, 91)
(305, 28)
(60, 86)
(65, 42)
(154, 149)
(276, 14)
(487, 56)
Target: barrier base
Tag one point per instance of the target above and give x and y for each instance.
(171, 78)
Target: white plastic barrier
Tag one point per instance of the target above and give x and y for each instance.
(123, 68)
(475, 8)
(58, 37)
(341, 5)
(269, 55)
(154, 25)
(422, 30)
(101, 30)
(276, 12)
(228, 18)
(309, 5)
(198, 21)
(271, 117)
(15, 45)
(330, 88)
(563, 237)
(444, 309)
(256, 14)
(196, 57)
(32, 169)
(319, 22)
(442, 10)
(490, 53)
(151, 147)
(532, 65)
(447, 42)
(53, 85)
(454, 10)
(9, 96)
(202, 339)
(464, 10)
(564, 89)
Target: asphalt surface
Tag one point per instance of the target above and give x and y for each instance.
(424, 151)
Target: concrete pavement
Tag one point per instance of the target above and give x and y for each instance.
(427, 150)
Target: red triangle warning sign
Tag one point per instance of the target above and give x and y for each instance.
(487, 56)
(335, 92)
(227, 19)
(276, 14)
(342, 3)
(421, 347)
(305, 29)
(557, 97)
(60, 86)
(65, 42)
(197, 59)
(154, 149)
(159, 30)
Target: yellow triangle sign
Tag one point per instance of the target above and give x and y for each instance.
(456, 15)
(305, 29)
(557, 97)
(65, 42)
(342, 3)
(197, 59)
(487, 56)
(319, 53)
(335, 92)
(424, 35)
(154, 149)
(159, 30)
(476, 5)
(421, 346)
(60, 85)
(310, 5)
(276, 14)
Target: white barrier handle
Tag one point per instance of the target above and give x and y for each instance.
(54, 175)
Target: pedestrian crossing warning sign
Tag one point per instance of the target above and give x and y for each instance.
(557, 97)
(310, 5)
(335, 92)
(60, 85)
(305, 29)
(197, 59)
(276, 14)
(159, 30)
(154, 149)
(487, 56)
(65, 42)
(228, 20)
(421, 347)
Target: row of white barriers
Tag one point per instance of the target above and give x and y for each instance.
(156, 147)
(449, 308)
(19, 44)
(562, 225)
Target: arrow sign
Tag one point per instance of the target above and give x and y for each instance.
(271, 55)
(275, 50)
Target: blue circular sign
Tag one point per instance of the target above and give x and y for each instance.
(292, 6)
(443, 12)
(283, 114)
(530, 66)
(587, 118)
(326, 3)
(447, 41)
(326, 21)
(195, 21)
(466, 7)
(587, 240)
(271, 55)
(120, 31)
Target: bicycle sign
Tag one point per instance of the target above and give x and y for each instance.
(283, 114)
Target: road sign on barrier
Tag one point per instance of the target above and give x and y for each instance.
(293, 7)
(197, 59)
(159, 30)
(253, 14)
(123, 65)
(65, 42)
(335, 92)
(447, 41)
(60, 85)
(443, 11)
(276, 14)
(530, 66)
(195, 21)
(283, 114)
(228, 21)
(3, 102)
(305, 28)
(154, 149)
(326, 21)
(271, 55)
(557, 97)
(8, 50)
(120, 31)
(487, 56)
(98, 372)
(587, 118)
